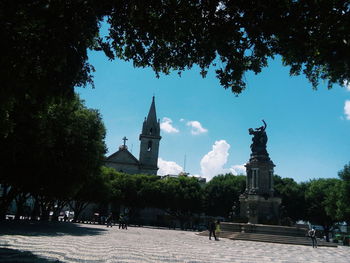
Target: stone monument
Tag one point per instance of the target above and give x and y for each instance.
(258, 203)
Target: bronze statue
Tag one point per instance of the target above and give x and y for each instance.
(259, 139)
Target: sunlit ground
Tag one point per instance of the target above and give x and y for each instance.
(67, 242)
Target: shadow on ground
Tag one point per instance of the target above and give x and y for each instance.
(36, 228)
(8, 255)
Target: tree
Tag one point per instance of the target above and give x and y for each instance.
(20, 200)
(49, 154)
(222, 192)
(321, 197)
(133, 191)
(180, 197)
(46, 53)
(96, 189)
(344, 194)
(293, 197)
(46, 42)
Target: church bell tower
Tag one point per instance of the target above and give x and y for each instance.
(149, 146)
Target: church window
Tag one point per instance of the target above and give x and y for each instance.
(151, 131)
(149, 147)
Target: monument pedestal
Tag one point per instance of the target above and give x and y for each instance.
(260, 210)
(257, 203)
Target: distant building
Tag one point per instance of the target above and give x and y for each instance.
(124, 161)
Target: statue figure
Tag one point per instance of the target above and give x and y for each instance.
(259, 139)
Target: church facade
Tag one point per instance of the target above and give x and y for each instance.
(125, 162)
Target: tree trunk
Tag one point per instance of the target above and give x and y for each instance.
(3, 210)
(36, 209)
(20, 201)
(19, 211)
(45, 208)
(77, 207)
(9, 193)
(326, 232)
(57, 209)
(45, 215)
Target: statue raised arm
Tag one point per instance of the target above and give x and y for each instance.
(262, 128)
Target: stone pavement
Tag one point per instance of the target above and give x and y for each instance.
(94, 243)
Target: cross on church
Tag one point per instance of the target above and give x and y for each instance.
(125, 139)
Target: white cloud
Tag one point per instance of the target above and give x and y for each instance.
(166, 125)
(347, 85)
(238, 169)
(213, 162)
(347, 109)
(168, 167)
(196, 127)
(182, 120)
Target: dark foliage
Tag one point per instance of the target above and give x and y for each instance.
(222, 193)
(344, 194)
(45, 42)
(293, 198)
(51, 153)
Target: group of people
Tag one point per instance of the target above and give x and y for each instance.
(214, 229)
(123, 221)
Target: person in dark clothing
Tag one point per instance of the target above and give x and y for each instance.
(121, 221)
(126, 219)
(109, 220)
(212, 227)
(312, 234)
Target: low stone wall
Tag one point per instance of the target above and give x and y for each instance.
(264, 229)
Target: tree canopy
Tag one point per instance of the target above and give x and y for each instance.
(321, 197)
(45, 42)
(293, 198)
(180, 197)
(311, 37)
(133, 191)
(52, 152)
(95, 189)
(222, 193)
(344, 194)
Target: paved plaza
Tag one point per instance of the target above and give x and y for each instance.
(66, 242)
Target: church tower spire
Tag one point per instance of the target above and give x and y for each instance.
(152, 115)
(149, 146)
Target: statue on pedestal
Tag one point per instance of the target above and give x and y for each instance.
(257, 203)
(259, 139)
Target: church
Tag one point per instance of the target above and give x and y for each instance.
(125, 162)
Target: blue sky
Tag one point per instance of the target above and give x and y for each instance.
(308, 130)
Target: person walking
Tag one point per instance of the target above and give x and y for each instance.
(121, 221)
(217, 229)
(126, 219)
(312, 235)
(109, 220)
(211, 229)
